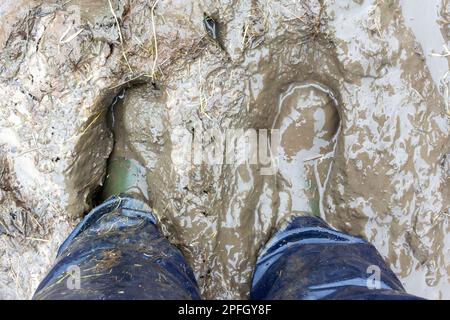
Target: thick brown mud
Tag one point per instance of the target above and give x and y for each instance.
(363, 127)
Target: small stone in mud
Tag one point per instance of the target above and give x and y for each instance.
(211, 26)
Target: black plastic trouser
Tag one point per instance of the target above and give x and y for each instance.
(117, 252)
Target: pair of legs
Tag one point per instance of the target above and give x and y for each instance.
(117, 252)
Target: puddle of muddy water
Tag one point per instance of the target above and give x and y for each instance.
(422, 18)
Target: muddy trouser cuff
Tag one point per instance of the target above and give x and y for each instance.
(116, 252)
(309, 260)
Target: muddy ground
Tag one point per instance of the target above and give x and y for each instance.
(377, 71)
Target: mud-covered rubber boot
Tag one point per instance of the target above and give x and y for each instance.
(308, 121)
(125, 176)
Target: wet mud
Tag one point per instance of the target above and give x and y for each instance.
(361, 108)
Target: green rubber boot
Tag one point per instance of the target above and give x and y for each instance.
(125, 176)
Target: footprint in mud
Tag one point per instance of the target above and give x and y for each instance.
(308, 121)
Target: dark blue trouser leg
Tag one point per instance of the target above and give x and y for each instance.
(117, 252)
(309, 260)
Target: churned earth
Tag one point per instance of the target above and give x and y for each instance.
(358, 90)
